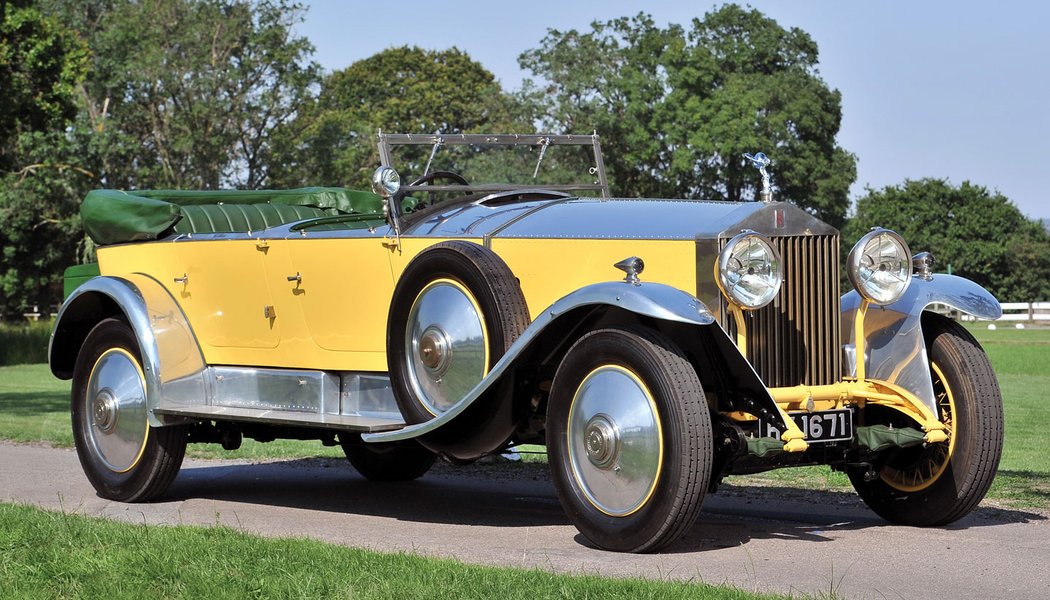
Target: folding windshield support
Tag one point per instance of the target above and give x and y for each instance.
(388, 140)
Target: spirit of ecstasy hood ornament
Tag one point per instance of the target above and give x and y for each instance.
(760, 161)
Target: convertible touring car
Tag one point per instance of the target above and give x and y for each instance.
(654, 346)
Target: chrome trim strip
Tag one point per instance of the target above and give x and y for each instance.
(896, 349)
(280, 417)
(650, 299)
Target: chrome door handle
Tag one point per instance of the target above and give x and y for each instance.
(296, 278)
(183, 280)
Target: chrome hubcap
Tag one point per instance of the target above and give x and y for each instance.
(602, 441)
(614, 440)
(115, 401)
(435, 350)
(445, 345)
(105, 412)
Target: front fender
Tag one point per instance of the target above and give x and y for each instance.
(171, 358)
(895, 347)
(657, 301)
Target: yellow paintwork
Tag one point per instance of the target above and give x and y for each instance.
(550, 269)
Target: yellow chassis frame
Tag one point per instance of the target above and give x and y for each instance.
(857, 391)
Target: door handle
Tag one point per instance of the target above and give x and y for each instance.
(296, 278)
(183, 280)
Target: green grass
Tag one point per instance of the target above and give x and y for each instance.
(24, 343)
(54, 555)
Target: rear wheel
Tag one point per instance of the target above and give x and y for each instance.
(937, 484)
(387, 462)
(629, 437)
(123, 457)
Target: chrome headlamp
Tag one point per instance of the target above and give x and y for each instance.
(385, 182)
(879, 266)
(748, 271)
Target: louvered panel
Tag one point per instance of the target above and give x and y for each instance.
(795, 340)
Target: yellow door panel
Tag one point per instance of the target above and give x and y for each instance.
(226, 297)
(343, 292)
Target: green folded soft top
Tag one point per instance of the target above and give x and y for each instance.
(115, 216)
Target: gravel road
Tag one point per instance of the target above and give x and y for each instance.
(766, 539)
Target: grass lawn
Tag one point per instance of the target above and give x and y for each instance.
(52, 555)
(34, 407)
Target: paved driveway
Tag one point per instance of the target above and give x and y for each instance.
(769, 540)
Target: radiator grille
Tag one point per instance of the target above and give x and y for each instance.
(795, 339)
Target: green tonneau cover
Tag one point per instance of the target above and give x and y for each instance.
(115, 216)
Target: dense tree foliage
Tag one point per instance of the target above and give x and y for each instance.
(680, 107)
(980, 234)
(41, 65)
(403, 90)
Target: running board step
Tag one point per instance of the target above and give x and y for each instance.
(283, 417)
(344, 400)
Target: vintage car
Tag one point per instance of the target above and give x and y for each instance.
(455, 319)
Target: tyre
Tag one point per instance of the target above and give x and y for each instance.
(937, 484)
(629, 439)
(123, 457)
(456, 310)
(387, 462)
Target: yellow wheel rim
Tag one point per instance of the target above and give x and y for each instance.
(935, 459)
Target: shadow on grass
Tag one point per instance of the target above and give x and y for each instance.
(521, 495)
(29, 404)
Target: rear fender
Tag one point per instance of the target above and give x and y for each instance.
(171, 358)
(894, 343)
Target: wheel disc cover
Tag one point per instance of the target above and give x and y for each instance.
(115, 409)
(615, 442)
(445, 345)
(934, 460)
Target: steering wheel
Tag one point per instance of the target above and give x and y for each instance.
(428, 179)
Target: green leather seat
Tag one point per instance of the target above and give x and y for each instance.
(228, 218)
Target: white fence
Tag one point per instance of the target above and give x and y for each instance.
(1023, 312)
(1026, 311)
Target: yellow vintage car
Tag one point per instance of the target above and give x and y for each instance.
(654, 346)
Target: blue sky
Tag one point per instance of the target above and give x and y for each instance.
(930, 89)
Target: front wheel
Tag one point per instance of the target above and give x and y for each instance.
(629, 437)
(123, 457)
(937, 484)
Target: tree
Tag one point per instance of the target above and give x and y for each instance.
(184, 93)
(979, 234)
(678, 109)
(41, 63)
(398, 90)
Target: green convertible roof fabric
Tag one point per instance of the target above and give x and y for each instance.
(115, 216)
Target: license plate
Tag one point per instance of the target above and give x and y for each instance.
(818, 427)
